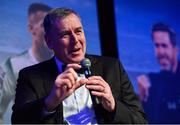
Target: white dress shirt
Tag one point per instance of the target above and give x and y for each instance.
(78, 107)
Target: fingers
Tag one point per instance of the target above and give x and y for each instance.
(68, 77)
(97, 84)
(69, 80)
(143, 81)
(82, 81)
(96, 80)
(143, 87)
(79, 83)
(99, 94)
(63, 82)
(100, 88)
(73, 66)
(71, 73)
(70, 69)
(96, 87)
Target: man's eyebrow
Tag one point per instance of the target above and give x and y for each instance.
(60, 32)
(63, 32)
(79, 28)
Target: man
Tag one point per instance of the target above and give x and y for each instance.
(160, 91)
(37, 53)
(47, 94)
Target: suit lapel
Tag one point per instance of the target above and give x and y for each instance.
(96, 69)
(50, 74)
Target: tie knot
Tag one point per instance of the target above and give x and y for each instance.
(64, 67)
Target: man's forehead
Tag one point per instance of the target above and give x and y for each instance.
(37, 16)
(161, 35)
(39, 12)
(160, 32)
(61, 29)
(63, 23)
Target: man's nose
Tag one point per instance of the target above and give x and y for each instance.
(160, 50)
(74, 38)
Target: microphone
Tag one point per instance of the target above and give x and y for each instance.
(86, 64)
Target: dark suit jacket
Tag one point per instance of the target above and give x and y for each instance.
(35, 83)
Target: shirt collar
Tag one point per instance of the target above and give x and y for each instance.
(59, 64)
(33, 59)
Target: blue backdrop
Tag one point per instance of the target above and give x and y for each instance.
(134, 19)
(14, 36)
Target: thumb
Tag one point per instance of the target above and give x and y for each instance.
(79, 83)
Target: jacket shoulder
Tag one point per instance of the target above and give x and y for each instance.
(104, 59)
(40, 67)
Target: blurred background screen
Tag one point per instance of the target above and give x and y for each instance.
(14, 36)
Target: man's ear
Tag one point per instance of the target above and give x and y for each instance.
(177, 51)
(30, 27)
(48, 41)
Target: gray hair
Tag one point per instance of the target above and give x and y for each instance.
(55, 14)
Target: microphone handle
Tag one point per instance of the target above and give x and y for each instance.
(95, 99)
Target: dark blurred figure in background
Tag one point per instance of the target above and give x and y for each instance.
(160, 92)
(37, 53)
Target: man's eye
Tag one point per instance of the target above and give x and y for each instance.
(64, 35)
(156, 45)
(78, 31)
(164, 45)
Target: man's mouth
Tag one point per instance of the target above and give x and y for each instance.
(163, 60)
(75, 51)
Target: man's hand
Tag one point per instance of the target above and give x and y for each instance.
(143, 87)
(100, 88)
(65, 84)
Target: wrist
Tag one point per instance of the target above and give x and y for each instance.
(50, 105)
(112, 105)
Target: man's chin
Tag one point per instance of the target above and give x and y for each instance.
(76, 59)
(166, 68)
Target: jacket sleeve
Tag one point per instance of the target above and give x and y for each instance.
(8, 86)
(29, 106)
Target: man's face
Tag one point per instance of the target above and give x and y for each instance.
(67, 39)
(165, 52)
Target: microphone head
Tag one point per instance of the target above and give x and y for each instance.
(86, 63)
